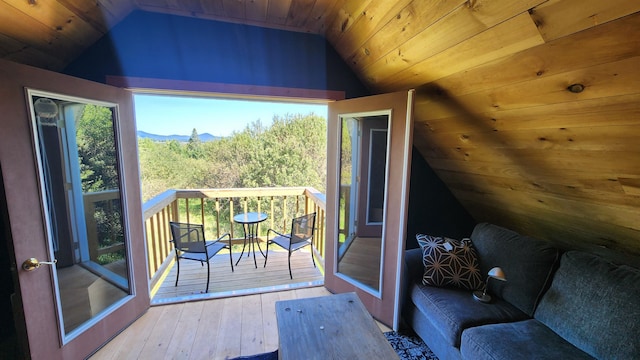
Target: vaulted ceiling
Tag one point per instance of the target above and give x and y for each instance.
(528, 110)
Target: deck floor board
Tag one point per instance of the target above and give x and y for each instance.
(245, 279)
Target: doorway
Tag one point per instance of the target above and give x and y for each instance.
(10, 345)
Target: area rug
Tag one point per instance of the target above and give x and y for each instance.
(409, 346)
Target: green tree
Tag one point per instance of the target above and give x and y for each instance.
(96, 149)
(292, 152)
(194, 146)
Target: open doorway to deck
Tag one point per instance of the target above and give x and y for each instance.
(205, 159)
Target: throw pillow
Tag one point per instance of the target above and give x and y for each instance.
(449, 262)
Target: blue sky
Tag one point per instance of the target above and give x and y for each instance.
(179, 115)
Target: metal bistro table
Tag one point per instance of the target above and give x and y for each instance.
(250, 223)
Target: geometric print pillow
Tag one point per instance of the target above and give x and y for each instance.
(449, 262)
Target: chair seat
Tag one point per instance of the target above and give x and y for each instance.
(284, 241)
(213, 247)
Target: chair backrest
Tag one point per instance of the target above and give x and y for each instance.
(302, 228)
(188, 237)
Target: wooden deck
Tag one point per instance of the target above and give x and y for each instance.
(244, 280)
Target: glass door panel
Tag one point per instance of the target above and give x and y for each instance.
(77, 156)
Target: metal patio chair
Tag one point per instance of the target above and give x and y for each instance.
(190, 244)
(301, 235)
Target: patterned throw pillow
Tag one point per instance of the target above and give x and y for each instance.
(449, 262)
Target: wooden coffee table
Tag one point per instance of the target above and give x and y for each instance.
(329, 327)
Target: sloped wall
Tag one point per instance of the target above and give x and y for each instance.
(518, 148)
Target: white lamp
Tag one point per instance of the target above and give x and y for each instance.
(495, 273)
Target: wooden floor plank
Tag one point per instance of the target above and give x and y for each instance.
(229, 337)
(129, 347)
(252, 330)
(157, 344)
(185, 331)
(210, 329)
(269, 323)
(209, 326)
(245, 278)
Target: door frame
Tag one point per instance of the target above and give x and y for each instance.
(26, 220)
(386, 307)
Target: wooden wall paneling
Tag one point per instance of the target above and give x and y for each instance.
(602, 44)
(347, 14)
(299, 12)
(460, 25)
(560, 228)
(257, 10)
(558, 18)
(598, 210)
(621, 138)
(278, 11)
(630, 185)
(159, 5)
(36, 34)
(606, 80)
(321, 15)
(16, 51)
(101, 14)
(61, 20)
(412, 20)
(233, 8)
(212, 7)
(602, 189)
(187, 6)
(507, 38)
(373, 18)
(591, 125)
(603, 111)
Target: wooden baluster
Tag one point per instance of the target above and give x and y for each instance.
(204, 226)
(231, 217)
(217, 217)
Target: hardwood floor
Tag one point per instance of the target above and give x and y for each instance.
(362, 261)
(217, 325)
(210, 329)
(84, 295)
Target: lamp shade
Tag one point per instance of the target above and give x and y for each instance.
(497, 273)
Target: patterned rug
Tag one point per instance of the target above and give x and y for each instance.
(409, 346)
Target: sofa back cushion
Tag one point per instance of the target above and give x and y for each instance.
(528, 264)
(595, 305)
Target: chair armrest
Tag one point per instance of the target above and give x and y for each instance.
(279, 234)
(220, 238)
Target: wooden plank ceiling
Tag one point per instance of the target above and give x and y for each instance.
(495, 118)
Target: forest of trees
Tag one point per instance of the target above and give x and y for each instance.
(291, 152)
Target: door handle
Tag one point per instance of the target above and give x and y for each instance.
(33, 263)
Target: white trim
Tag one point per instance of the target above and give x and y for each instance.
(408, 142)
(366, 288)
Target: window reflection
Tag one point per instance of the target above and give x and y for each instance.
(363, 174)
(78, 162)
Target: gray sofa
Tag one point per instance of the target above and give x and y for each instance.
(552, 306)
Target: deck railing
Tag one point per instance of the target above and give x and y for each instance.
(215, 207)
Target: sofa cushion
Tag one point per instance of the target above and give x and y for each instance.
(452, 310)
(595, 305)
(449, 262)
(528, 264)
(528, 339)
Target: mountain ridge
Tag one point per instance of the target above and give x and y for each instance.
(205, 137)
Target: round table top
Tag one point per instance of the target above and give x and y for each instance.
(250, 218)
